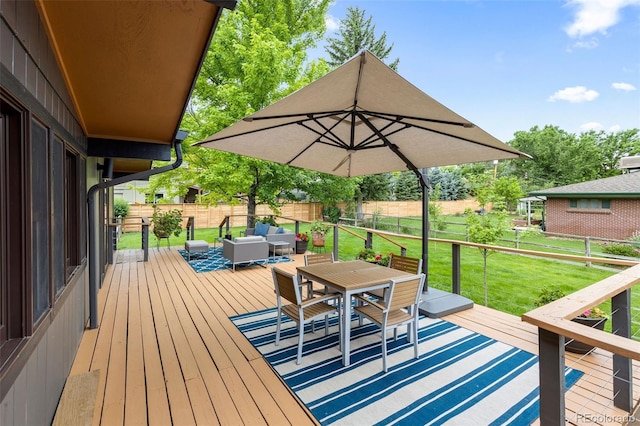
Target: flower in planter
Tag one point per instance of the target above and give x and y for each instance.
(594, 312)
(303, 236)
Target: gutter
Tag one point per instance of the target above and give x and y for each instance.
(93, 255)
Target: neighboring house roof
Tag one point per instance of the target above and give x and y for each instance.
(622, 186)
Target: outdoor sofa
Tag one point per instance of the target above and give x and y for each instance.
(245, 250)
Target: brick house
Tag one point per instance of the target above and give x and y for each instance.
(606, 208)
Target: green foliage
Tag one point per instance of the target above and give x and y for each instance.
(356, 34)
(548, 295)
(369, 255)
(508, 189)
(257, 57)
(270, 220)
(621, 249)
(453, 185)
(320, 227)
(332, 213)
(166, 223)
(374, 187)
(486, 228)
(436, 219)
(120, 208)
(561, 158)
(407, 187)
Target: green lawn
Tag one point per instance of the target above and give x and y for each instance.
(514, 281)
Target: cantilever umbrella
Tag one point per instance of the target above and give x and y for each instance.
(362, 118)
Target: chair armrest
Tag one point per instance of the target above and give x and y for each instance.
(381, 306)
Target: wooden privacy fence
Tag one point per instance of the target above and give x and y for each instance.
(211, 216)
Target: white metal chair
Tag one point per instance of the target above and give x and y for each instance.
(399, 307)
(302, 311)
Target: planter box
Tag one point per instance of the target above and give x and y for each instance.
(301, 246)
(579, 347)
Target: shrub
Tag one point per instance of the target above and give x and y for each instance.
(332, 213)
(120, 208)
(548, 295)
(620, 249)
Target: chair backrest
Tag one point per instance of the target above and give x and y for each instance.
(404, 292)
(406, 264)
(286, 286)
(313, 259)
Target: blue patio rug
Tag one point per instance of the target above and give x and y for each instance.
(460, 378)
(214, 261)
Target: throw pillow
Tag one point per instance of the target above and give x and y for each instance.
(261, 229)
(280, 230)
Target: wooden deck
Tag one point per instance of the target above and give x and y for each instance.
(167, 353)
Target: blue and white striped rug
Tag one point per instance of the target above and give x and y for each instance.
(461, 377)
(213, 260)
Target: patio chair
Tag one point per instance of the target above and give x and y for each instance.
(411, 265)
(299, 310)
(399, 308)
(314, 259)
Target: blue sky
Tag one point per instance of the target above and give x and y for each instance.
(510, 65)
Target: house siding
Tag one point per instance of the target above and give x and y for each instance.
(33, 379)
(619, 222)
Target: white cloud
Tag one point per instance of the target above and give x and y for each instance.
(332, 23)
(595, 16)
(615, 128)
(590, 126)
(575, 95)
(623, 86)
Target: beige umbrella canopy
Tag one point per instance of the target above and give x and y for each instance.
(362, 118)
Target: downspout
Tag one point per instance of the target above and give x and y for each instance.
(93, 254)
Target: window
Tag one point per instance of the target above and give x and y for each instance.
(589, 203)
(72, 214)
(13, 223)
(40, 226)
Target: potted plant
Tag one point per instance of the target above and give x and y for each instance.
(369, 255)
(594, 318)
(166, 223)
(318, 231)
(302, 242)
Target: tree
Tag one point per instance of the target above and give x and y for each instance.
(257, 57)
(356, 34)
(507, 189)
(560, 158)
(453, 185)
(486, 229)
(407, 187)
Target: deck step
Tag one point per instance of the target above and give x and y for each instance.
(78, 400)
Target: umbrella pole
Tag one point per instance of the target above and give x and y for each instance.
(424, 179)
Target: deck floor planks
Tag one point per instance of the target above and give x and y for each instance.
(102, 350)
(177, 306)
(180, 339)
(135, 393)
(181, 412)
(158, 405)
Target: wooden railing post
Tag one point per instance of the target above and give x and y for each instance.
(369, 241)
(622, 366)
(191, 224)
(552, 381)
(587, 248)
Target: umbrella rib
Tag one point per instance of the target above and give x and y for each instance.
(398, 118)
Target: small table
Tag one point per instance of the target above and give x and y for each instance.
(274, 245)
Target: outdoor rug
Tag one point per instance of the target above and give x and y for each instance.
(460, 378)
(215, 262)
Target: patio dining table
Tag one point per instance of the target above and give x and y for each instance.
(349, 278)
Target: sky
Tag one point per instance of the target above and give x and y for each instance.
(510, 65)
